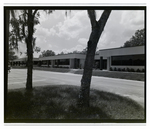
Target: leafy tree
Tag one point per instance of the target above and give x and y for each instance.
(23, 30)
(97, 29)
(47, 53)
(84, 51)
(62, 53)
(37, 49)
(76, 51)
(136, 40)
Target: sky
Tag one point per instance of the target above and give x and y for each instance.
(66, 34)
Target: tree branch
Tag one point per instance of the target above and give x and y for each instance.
(103, 19)
(35, 12)
(12, 12)
(92, 16)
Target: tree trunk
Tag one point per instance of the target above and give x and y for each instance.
(88, 67)
(29, 50)
(97, 29)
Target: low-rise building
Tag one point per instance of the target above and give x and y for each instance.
(115, 58)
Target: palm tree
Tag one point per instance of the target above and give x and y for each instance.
(97, 29)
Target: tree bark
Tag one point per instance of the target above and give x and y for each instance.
(97, 29)
(29, 50)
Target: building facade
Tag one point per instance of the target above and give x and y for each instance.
(23, 62)
(128, 57)
(119, 58)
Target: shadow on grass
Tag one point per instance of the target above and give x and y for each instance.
(59, 102)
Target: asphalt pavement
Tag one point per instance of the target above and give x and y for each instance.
(128, 88)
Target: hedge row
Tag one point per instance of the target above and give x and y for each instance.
(126, 69)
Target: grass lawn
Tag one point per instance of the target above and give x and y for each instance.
(117, 74)
(59, 102)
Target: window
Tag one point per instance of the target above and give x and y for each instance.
(63, 62)
(129, 60)
(44, 62)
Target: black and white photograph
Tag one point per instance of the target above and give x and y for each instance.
(75, 64)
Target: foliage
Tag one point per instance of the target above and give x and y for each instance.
(84, 51)
(47, 53)
(111, 69)
(22, 31)
(37, 49)
(62, 53)
(132, 70)
(127, 69)
(19, 31)
(115, 69)
(123, 69)
(11, 55)
(138, 70)
(137, 40)
(143, 70)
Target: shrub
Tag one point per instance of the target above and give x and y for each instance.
(128, 69)
(119, 69)
(138, 70)
(143, 70)
(115, 69)
(123, 69)
(132, 70)
(111, 69)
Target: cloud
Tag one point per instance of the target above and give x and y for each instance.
(52, 31)
(120, 27)
(50, 20)
(83, 41)
(132, 18)
(76, 48)
(72, 26)
(60, 33)
(41, 31)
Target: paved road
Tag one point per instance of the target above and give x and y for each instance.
(129, 88)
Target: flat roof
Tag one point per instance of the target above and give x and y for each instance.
(64, 56)
(119, 48)
(122, 51)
